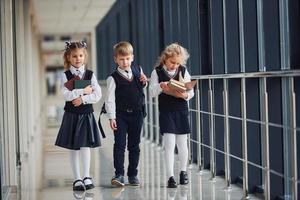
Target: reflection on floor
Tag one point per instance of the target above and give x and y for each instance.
(58, 176)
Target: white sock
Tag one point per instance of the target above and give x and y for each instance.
(169, 144)
(85, 154)
(181, 141)
(74, 159)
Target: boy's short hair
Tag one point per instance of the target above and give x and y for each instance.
(123, 48)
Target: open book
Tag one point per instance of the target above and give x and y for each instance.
(181, 86)
(177, 87)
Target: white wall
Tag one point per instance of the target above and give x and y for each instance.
(22, 82)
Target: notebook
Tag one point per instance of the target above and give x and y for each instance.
(80, 84)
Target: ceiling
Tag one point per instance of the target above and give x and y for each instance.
(57, 21)
(61, 17)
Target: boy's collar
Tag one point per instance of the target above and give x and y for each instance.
(124, 70)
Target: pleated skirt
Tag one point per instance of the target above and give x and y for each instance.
(78, 130)
(176, 122)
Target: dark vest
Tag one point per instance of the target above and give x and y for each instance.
(82, 109)
(168, 102)
(129, 93)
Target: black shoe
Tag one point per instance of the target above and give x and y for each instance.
(133, 180)
(78, 187)
(88, 186)
(184, 179)
(118, 180)
(172, 183)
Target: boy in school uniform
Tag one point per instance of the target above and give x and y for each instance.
(125, 108)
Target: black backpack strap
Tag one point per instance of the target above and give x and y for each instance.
(103, 110)
(136, 71)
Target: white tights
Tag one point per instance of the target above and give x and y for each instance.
(169, 144)
(85, 155)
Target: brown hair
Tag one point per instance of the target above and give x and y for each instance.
(171, 50)
(71, 46)
(123, 48)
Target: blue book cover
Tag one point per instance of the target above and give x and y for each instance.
(80, 84)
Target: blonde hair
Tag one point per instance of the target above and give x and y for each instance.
(172, 50)
(123, 48)
(71, 46)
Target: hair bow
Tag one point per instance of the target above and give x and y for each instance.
(83, 43)
(68, 44)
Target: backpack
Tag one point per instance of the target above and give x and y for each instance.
(103, 110)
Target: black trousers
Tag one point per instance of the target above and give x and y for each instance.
(129, 124)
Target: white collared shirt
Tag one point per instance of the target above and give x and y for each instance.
(68, 95)
(154, 85)
(127, 73)
(110, 104)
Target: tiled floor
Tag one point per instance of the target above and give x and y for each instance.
(57, 182)
(57, 176)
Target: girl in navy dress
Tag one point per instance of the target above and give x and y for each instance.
(173, 108)
(79, 131)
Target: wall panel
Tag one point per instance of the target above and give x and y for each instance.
(212, 30)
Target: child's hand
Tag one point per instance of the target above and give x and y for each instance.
(77, 102)
(88, 89)
(179, 94)
(143, 78)
(113, 124)
(164, 86)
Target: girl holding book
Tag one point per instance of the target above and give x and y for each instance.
(79, 131)
(173, 107)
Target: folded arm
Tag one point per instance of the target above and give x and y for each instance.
(96, 94)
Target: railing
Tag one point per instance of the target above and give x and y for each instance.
(288, 126)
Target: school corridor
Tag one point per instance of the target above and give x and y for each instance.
(57, 176)
(244, 117)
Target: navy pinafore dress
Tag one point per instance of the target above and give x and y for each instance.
(78, 127)
(173, 112)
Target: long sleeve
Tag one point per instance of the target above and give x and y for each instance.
(154, 87)
(110, 104)
(95, 96)
(187, 78)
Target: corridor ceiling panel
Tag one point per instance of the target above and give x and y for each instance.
(69, 16)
